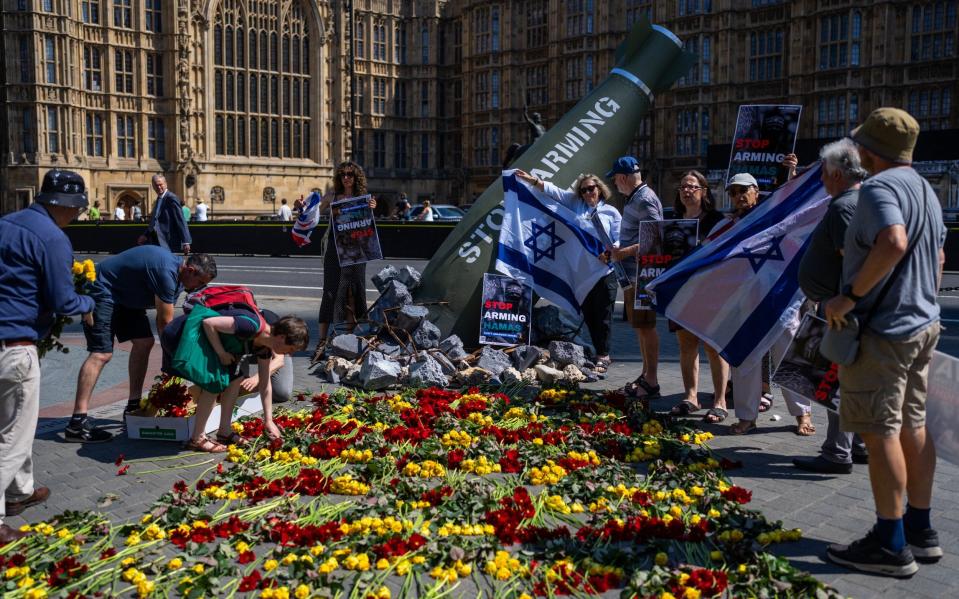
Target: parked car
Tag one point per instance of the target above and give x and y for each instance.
(441, 212)
(951, 215)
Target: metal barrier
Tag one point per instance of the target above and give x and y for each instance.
(398, 239)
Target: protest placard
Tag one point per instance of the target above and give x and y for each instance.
(804, 370)
(354, 231)
(765, 133)
(662, 243)
(942, 406)
(506, 311)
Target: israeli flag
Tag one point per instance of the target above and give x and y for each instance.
(307, 220)
(735, 291)
(544, 245)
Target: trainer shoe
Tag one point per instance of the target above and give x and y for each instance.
(867, 555)
(86, 433)
(924, 545)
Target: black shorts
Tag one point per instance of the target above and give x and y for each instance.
(111, 320)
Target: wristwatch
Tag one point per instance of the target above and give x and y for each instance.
(847, 292)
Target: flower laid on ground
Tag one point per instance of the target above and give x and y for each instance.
(430, 492)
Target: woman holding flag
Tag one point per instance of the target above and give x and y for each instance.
(591, 194)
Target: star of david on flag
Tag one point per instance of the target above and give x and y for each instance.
(734, 291)
(543, 244)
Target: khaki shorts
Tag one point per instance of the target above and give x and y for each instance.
(885, 388)
(638, 319)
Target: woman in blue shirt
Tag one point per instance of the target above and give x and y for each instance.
(590, 193)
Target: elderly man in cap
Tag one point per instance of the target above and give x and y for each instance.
(36, 283)
(892, 268)
(747, 380)
(642, 203)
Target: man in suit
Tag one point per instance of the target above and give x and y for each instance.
(167, 226)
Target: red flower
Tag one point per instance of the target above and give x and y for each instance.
(119, 460)
(250, 583)
(123, 470)
(738, 494)
(510, 463)
(247, 557)
(455, 457)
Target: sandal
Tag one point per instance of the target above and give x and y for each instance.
(632, 389)
(685, 408)
(765, 402)
(318, 352)
(231, 439)
(715, 415)
(602, 365)
(742, 427)
(804, 426)
(205, 445)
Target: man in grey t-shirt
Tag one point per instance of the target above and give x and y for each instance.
(897, 225)
(642, 203)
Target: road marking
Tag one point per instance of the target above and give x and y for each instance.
(270, 268)
(283, 286)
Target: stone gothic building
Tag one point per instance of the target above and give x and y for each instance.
(247, 102)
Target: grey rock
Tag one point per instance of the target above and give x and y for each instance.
(493, 360)
(451, 342)
(408, 317)
(427, 372)
(378, 372)
(511, 375)
(548, 375)
(383, 277)
(552, 324)
(347, 346)
(352, 376)
(565, 353)
(426, 336)
(529, 376)
(525, 356)
(393, 295)
(410, 277)
(391, 350)
(448, 368)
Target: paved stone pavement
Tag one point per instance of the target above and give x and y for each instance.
(828, 509)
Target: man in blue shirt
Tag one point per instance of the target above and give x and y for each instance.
(127, 285)
(36, 283)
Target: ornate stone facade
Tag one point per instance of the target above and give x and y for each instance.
(246, 102)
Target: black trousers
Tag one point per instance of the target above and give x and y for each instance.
(598, 312)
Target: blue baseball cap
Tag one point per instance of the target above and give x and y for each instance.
(624, 165)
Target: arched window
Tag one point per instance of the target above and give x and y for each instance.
(262, 44)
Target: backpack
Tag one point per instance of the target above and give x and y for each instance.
(226, 297)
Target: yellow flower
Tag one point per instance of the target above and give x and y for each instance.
(174, 564)
(77, 268)
(270, 565)
(36, 594)
(199, 569)
(145, 587)
(661, 559)
(302, 592)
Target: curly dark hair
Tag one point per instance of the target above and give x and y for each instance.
(359, 182)
(708, 203)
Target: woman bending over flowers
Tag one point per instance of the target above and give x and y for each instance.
(278, 336)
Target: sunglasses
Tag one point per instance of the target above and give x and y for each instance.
(342, 175)
(691, 187)
(587, 189)
(736, 190)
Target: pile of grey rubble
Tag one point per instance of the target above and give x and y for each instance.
(398, 345)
